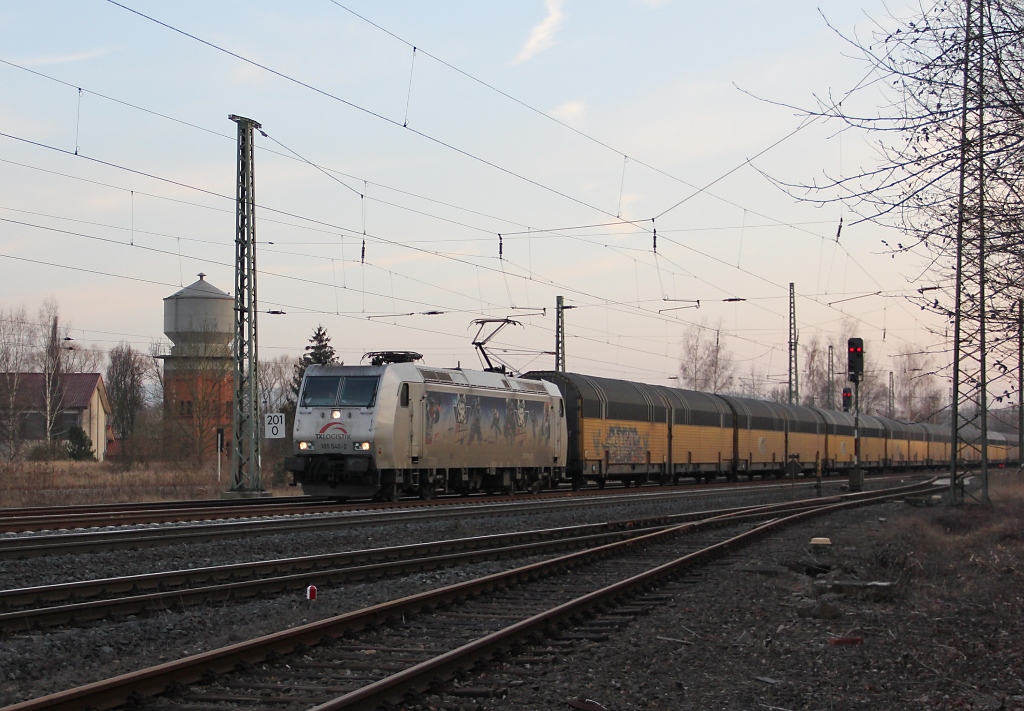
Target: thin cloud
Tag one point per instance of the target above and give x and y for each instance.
(571, 112)
(543, 35)
(67, 58)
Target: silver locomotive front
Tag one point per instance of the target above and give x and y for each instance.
(335, 431)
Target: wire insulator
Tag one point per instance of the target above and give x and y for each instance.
(362, 257)
(501, 247)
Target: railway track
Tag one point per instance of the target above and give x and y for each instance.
(412, 647)
(65, 542)
(16, 520)
(82, 601)
(64, 518)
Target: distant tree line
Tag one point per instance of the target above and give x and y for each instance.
(145, 426)
(707, 365)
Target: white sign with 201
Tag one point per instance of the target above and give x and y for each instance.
(274, 425)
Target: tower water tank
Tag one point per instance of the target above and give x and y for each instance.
(199, 320)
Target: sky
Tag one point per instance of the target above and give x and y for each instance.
(467, 159)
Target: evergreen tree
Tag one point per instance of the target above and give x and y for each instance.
(318, 352)
(79, 445)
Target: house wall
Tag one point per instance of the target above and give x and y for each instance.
(94, 421)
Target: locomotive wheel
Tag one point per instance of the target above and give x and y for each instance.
(391, 493)
(427, 490)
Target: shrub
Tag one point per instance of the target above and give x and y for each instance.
(79, 445)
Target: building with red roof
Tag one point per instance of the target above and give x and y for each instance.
(81, 400)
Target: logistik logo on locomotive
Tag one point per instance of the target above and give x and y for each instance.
(332, 430)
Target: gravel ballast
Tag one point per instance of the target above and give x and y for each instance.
(746, 634)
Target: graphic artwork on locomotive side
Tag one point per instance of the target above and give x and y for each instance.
(458, 418)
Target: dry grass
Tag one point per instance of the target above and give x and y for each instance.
(66, 483)
(972, 553)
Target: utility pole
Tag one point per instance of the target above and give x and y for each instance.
(892, 397)
(830, 387)
(969, 401)
(245, 451)
(1020, 383)
(560, 309)
(794, 374)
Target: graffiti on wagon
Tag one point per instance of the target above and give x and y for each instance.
(624, 445)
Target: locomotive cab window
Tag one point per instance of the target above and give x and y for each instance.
(320, 391)
(403, 395)
(359, 391)
(561, 408)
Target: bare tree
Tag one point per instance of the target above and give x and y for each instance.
(126, 388)
(81, 359)
(275, 379)
(706, 362)
(917, 394)
(815, 378)
(753, 385)
(15, 357)
(51, 337)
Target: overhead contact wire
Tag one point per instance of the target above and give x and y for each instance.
(363, 109)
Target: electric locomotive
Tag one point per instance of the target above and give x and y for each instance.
(396, 427)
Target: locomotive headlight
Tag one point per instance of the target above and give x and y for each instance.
(306, 446)
(364, 446)
(336, 414)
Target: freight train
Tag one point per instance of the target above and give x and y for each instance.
(396, 427)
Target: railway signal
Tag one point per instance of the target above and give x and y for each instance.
(847, 399)
(855, 358)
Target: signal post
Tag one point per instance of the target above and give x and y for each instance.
(855, 371)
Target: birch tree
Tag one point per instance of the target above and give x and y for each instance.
(15, 359)
(706, 363)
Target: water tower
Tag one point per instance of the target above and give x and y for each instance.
(198, 320)
(199, 370)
